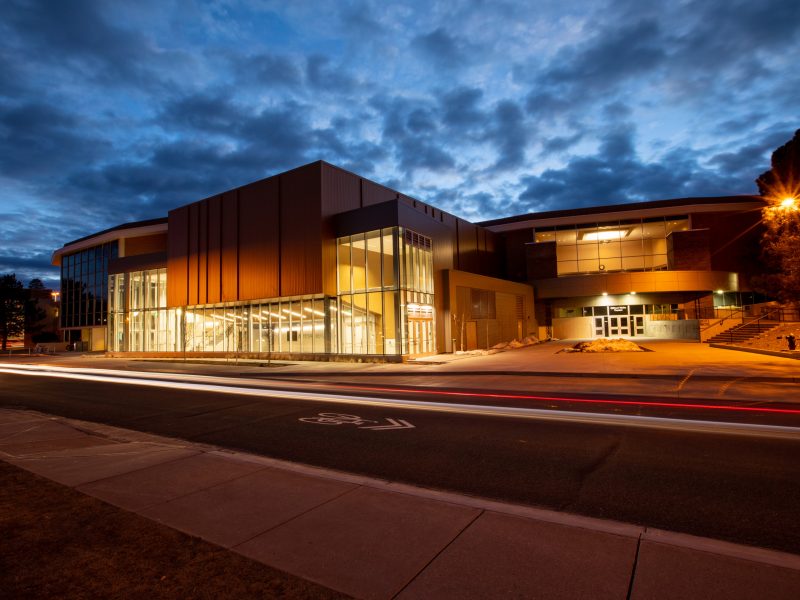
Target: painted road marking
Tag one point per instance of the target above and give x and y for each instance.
(222, 385)
(326, 418)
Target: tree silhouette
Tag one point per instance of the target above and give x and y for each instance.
(780, 187)
(12, 308)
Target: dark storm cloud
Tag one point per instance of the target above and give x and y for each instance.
(460, 108)
(409, 128)
(208, 112)
(442, 48)
(41, 139)
(509, 135)
(36, 263)
(267, 69)
(615, 174)
(580, 74)
(76, 33)
(745, 160)
(323, 75)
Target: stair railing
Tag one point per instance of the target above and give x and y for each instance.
(758, 321)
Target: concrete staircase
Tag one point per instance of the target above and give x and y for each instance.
(740, 334)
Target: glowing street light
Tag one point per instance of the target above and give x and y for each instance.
(789, 203)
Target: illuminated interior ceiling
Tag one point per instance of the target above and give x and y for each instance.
(604, 235)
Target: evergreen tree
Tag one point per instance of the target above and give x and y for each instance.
(780, 187)
(12, 308)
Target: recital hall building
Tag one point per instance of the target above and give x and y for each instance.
(320, 263)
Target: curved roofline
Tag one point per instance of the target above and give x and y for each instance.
(629, 206)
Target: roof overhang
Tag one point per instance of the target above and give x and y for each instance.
(107, 236)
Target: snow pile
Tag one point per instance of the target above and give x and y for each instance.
(604, 345)
(502, 347)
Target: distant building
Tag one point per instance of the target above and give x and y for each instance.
(318, 262)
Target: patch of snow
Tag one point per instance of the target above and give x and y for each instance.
(604, 345)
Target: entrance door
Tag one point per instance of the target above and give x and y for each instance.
(638, 325)
(601, 326)
(420, 336)
(618, 326)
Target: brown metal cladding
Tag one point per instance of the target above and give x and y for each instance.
(341, 191)
(202, 257)
(194, 251)
(259, 240)
(146, 244)
(301, 231)
(372, 193)
(467, 246)
(177, 257)
(214, 289)
(230, 246)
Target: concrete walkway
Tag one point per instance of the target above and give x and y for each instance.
(376, 539)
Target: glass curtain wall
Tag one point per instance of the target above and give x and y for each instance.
(632, 245)
(83, 286)
(299, 326)
(139, 320)
(385, 293)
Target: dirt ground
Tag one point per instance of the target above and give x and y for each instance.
(59, 543)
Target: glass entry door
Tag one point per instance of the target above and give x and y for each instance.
(618, 326)
(420, 336)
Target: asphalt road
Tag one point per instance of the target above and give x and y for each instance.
(744, 489)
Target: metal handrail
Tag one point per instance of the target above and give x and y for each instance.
(723, 319)
(757, 321)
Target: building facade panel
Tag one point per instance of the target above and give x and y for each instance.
(178, 258)
(194, 253)
(213, 291)
(300, 214)
(341, 191)
(229, 274)
(202, 252)
(259, 240)
(373, 193)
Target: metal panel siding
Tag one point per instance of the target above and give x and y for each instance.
(177, 259)
(214, 252)
(259, 240)
(193, 253)
(341, 191)
(467, 246)
(202, 259)
(372, 193)
(230, 246)
(146, 244)
(301, 231)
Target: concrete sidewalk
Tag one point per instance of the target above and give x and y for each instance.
(376, 539)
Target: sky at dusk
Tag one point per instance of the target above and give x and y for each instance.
(118, 111)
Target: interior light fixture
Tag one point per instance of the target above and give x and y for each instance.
(633, 293)
(605, 293)
(720, 292)
(604, 235)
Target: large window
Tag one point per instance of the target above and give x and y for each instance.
(296, 325)
(84, 286)
(385, 293)
(632, 245)
(139, 320)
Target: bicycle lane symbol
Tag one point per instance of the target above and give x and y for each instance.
(360, 422)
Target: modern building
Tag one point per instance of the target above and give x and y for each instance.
(321, 263)
(653, 269)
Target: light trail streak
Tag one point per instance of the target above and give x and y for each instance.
(163, 380)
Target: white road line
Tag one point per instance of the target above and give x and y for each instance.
(157, 380)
